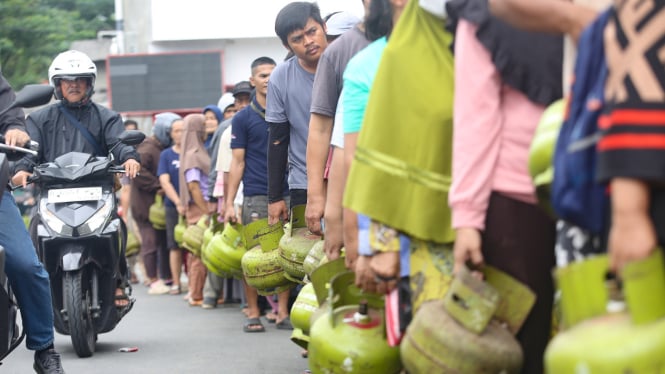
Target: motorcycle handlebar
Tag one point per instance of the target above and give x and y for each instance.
(116, 169)
(30, 148)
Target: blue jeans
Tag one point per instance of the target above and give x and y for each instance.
(27, 277)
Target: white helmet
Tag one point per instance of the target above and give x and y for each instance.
(72, 64)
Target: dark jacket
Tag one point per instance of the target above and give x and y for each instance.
(13, 119)
(146, 184)
(56, 136)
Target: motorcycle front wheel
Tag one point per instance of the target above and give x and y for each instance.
(78, 301)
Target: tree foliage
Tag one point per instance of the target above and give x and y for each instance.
(33, 32)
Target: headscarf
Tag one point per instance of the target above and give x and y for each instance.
(162, 127)
(194, 154)
(215, 109)
(409, 165)
(529, 62)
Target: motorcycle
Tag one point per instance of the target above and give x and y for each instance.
(11, 335)
(81, 240)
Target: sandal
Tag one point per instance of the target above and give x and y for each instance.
(284, 324)
(121, 298)
(193, 302)
(175, 290)
(253, 325)
(271, 317)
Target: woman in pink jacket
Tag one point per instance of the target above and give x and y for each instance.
(503, 80)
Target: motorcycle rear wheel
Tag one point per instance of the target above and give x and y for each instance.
(77, 302)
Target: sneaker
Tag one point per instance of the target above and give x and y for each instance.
(158, 288)
(48, 362)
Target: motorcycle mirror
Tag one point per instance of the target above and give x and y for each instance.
(128, 137)
(131, 137)
(31, 95)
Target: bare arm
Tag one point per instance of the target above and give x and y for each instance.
(234, 177)
(334, 238)
(197, 195)
(553, 16)
(632, 234)
(350, 218)
(170, 192)
(318, 145)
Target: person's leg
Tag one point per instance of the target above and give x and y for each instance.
(174, 252)
(197, 276)
(283, 310)
(253, 323)
(523, 247)
(148, 249)
(27, 277)
(239, 291)
(213, 289)
(175, 261)
(163, 257)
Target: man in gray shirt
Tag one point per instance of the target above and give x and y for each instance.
(325, 95)
(300, 27)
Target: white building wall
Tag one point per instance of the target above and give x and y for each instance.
(242, 29)
(238, 53)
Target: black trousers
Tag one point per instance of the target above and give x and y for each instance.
(519, 239)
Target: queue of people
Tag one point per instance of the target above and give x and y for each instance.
(402, 163)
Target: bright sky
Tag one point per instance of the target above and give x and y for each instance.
(227, 19)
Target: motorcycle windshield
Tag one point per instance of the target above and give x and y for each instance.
(72, 167)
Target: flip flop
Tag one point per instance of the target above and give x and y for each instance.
(284, 324)
(253, 325)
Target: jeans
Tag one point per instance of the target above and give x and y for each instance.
(27, 277)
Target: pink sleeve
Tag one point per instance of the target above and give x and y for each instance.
(477, 129)
(218, 191)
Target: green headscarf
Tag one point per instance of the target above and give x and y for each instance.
(402, 167)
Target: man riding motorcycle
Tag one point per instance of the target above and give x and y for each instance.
(28, 278)
(76, 124)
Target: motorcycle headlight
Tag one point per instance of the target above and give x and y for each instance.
(52, 221)
(98, 218)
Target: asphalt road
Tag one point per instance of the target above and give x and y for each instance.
(173, 337)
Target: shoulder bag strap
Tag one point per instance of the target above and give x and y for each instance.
(257, 110)
(84, 131)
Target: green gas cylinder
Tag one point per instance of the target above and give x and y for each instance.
(607, 333)
(193, 236)
(472, 329)
(295, 244)
(260, 264)
(157, 213)
(350, 336)
(179, 230)
(542, 151)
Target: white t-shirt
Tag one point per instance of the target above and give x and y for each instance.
(337, 139)
(224, 158)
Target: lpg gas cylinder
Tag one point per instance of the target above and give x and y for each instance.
(303, 308)
(350, 336)
(157, 213)
(192, 238)
(471, 330)
(179, 230)
(313, 258)
(260, 265)
(607, 333)
(296, 244)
